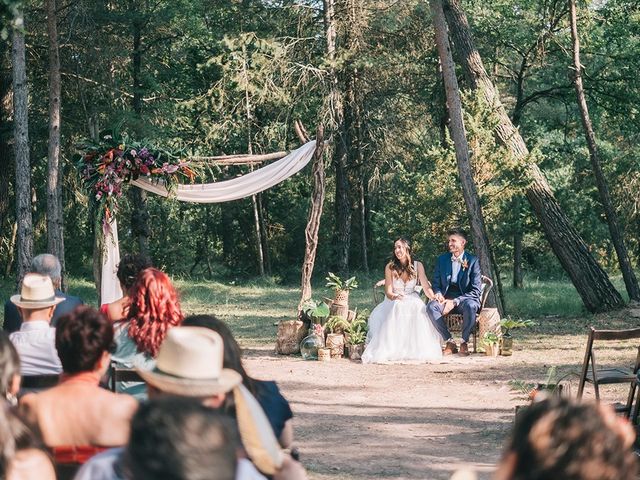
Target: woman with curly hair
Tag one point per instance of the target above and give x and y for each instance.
(399, 329)
(154, 308)
(128, 270)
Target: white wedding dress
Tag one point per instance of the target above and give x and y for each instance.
(400, 331)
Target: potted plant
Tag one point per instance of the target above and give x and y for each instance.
(316, 310)
(356, 335)
(335, 327)
(341, 288)
(507, 324)
(491, 341)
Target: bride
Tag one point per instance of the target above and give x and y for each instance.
(399, 329)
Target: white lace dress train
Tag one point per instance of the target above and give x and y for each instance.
(400, 331)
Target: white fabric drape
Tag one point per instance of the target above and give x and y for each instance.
(225, 191)
(240, 187)
(110, 290)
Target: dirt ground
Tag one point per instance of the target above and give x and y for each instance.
(355, 421)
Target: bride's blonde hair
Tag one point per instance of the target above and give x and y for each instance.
(396, 265)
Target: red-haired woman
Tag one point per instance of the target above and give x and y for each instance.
(154, 308)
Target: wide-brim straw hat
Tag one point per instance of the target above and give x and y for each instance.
(189, 364)
(37, 292)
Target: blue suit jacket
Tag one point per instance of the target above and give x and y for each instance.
(469, 279)
(13, 320)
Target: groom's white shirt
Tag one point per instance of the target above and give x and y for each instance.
(456, 263)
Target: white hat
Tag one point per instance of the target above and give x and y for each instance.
(189, 364)
(36, 293)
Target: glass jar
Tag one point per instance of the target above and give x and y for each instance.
(309, 346)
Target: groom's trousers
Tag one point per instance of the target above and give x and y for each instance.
(469, 310)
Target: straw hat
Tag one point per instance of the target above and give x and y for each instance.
(36, 293)
(189, 364)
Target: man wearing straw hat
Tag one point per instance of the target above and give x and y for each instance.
(49, 265)
(189, 364)
(35, 341)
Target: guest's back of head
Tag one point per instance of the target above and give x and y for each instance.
(560, 439)
(129, 268)
(178, 438)
(82, 338)
(154, 309)
(49, 265)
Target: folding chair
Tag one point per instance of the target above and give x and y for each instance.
(119, 374)
(591, 373)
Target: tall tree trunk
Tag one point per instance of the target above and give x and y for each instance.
(140, 214)
(630, 280)
(24, 245)
(254, 201)
(517, 244)
(55, 218)
(264, 239)
(363, 225)
(313, 222)
(336, 109)
(458, 134)
(6, 135)
(590, 280)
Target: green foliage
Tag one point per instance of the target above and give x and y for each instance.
(357, 330)
(337, 283)
(317, 310)
(510, 323)
(336, 324)
(491, 338)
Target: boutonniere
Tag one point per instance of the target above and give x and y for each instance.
(465, 264)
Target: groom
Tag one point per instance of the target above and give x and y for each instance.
(458, 286)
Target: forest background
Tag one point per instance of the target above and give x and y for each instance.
(208, 78)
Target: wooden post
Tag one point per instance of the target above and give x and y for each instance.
(313, 222)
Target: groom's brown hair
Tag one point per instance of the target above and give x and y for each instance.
(457, 231)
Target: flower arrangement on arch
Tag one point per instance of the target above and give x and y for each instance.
(107, 165)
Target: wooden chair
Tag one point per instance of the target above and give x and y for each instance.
(455, 321)
(119, 374)
(597, 376)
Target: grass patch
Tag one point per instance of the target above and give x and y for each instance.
(251, 308)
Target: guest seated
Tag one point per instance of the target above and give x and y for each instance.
(35, 341)
(180, 438)
(49, 265)
(189, 364)
(154, 309)
(128, 270)
(78, 412)
(561, 439)
(21, 457)
(267, 393)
